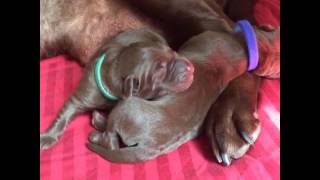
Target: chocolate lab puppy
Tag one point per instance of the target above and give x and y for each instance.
(139, 130)
(136, 63)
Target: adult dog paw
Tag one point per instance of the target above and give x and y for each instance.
(233, 125)
(232, 133)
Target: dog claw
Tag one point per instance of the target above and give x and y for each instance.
(247, 138)
(226, 159)
(218, 157)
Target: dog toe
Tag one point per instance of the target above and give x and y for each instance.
(231, 136)
(248, 127)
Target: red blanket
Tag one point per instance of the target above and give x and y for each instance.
(70, 159)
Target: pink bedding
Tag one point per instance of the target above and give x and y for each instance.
(70, 159)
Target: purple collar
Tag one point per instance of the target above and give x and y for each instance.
(250, 36)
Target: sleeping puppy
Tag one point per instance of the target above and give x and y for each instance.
(137, 63)
(139, 130)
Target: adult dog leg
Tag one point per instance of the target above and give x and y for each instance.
(232, 124)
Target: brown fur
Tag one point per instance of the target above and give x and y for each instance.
(79, 27)
(223, 62)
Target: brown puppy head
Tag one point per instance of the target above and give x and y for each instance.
(143, 65)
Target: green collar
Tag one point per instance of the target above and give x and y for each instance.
(101, 86)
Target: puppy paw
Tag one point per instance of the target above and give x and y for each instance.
(104, 139)
(99, 138)
(98, 121)
(47, 141)
(232, 133)
(95, 137)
